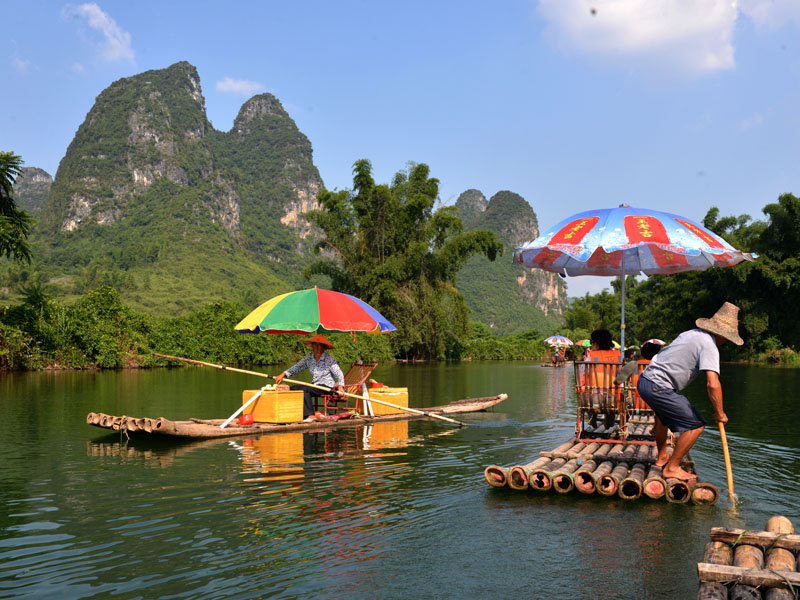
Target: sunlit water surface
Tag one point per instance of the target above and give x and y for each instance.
(401, 511)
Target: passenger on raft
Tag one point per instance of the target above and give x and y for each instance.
(601, 350)
(325, 371)
(671, 370)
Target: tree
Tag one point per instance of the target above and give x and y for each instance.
(388, 246)
(15, 225)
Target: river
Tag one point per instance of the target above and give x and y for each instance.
(401, 511)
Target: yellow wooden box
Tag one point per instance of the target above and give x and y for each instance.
(275, 406)
(394, 395)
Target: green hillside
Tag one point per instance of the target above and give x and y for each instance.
(507, 297)
(150, 199)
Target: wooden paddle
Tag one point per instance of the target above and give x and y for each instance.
(319, 387)
(727, 456)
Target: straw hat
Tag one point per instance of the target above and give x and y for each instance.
(725, 323)
(318, 339)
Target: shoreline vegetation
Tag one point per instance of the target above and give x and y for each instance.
(99, 332)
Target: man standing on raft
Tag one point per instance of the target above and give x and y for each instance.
(674, 368)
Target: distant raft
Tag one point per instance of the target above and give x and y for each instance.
(739, 564)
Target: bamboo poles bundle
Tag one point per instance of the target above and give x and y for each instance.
(608, 484)
(519, 475)
(122, 423)
(541, 479)
(583, 477)
(608, 468)
(739, 564)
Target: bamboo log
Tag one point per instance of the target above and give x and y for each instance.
(746, 556)
(779, 559)
(496, 476)
(760, 538)
(654, 486)
(630, 451)
(616, 452)
(631, 487)
(541, 479)
(602, 469)
(562, 449)
(90, 418)
(563, 480)
(519, 475)
(148, 425)
(609, 483)
(678, 491)
(717, 553)
(587, 450)
(704, 493)
(584, 482)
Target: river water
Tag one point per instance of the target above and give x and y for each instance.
(401, 511)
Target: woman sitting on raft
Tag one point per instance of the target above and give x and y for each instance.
(325, 371)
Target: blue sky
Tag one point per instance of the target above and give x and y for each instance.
(678, 105)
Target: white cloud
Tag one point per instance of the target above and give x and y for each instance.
(692, 36)
(20, 64)
(771, 13)
(240, 87)
(117, 42)
(77, 67)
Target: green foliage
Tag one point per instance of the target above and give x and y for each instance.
(98, 331)
(388, 246)
(15, 225)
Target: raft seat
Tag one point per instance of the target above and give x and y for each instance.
(599, 397)
(354, 383)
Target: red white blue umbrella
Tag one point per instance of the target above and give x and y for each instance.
(654, 341)
(624, 241)
(558, 340)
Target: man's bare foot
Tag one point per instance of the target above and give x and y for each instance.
(678, 474)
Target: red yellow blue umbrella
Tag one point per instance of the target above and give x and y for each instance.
(627, 240)
(313, 311)
(558, 340)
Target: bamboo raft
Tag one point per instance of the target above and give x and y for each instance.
(210, 428)
(623, 467)
(739, 564)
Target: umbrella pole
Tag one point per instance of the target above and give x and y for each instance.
(224, 368)
(622, 324)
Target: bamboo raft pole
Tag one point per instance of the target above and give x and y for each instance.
(739, 564)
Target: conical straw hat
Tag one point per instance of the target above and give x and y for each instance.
(725, 322)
